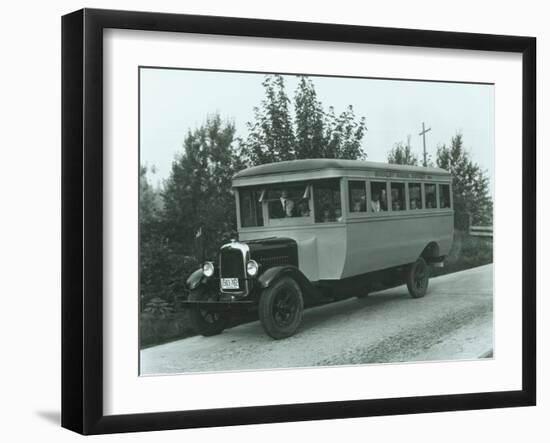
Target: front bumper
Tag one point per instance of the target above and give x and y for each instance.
(220, 305)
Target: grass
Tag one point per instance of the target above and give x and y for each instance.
(155, 330)
(466, 252)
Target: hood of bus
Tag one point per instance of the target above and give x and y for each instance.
(273, 251)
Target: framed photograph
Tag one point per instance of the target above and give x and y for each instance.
(269, 221)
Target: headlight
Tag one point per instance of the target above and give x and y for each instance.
(252, 268)
(208, 269)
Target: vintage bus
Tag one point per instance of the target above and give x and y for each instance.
(323, 229)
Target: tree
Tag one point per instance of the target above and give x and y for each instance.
(154, 261)
(401, 154)
(313, 133)
(308, 121)
(271, 135)
(472, 200)
(199, 208)
(344, 134)
(184, 222)
(150, 202)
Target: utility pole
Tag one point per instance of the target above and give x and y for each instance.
(423, 134)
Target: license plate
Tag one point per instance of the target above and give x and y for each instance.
(230, 283)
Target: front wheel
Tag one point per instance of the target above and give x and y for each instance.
(418, 276)
(281, 308)
(205, 321)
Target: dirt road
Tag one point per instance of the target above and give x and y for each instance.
(453, 321)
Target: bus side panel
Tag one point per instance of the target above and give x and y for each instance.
(446, 242)
(332, 250)
(321, 247)
(382, 242)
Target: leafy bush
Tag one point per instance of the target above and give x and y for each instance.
(467, 252)
(155, 330)
(471, 196)
(159, 308)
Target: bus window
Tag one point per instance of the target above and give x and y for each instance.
(357, 196)
(415, 196)
(327, 204)
(398, 196)
(379, 200)
(288, 201)
(429, 189)
(444, 196)
(251, 208)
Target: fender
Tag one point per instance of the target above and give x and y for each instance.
(195, 279)
(271, 275)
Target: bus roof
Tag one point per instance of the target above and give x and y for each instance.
(318, 168)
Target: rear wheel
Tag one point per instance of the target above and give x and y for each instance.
(418, 276)
(205, 321)
(281, 308)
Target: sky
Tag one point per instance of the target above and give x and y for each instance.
(174, 101)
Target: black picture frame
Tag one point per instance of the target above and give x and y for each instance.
(82, 216)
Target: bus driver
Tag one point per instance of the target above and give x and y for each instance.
(287, 204)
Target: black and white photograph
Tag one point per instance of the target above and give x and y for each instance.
(289, 220)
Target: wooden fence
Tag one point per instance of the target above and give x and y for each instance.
(481, 231)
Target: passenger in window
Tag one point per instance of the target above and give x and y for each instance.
(289, 208)
(375, 203)
(359, 205)
(431, 202)
(383, 201)
(287, 205)
(328, 214)
(303, 209)
(415, 203)
(396, 206)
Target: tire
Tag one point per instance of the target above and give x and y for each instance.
(418, 277)
(204, 321)
(281, 308)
